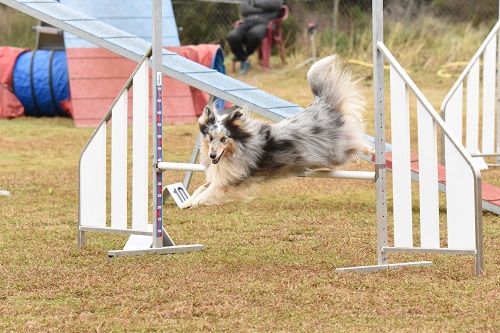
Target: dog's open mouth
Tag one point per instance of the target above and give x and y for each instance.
(216, 160)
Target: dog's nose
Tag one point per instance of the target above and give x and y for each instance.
(212, 156)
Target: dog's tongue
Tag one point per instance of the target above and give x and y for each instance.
(216, 160)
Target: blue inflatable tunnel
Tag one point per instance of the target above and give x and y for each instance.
(40, 82)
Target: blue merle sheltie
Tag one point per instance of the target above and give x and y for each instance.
(239, 152)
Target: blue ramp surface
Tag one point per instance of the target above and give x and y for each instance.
(132, 16)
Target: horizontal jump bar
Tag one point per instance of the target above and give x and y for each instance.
(427, 250)
(364, 175)
(180, 166)
(342, 174)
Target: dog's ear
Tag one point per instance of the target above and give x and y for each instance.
(231, 109)
(206, 119)
(208, 115)
(235, 122)
(235, 116)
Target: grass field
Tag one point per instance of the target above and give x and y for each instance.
(268, 264)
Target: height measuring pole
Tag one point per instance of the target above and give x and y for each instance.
(497, 130)
(379, 113)
(157, 124)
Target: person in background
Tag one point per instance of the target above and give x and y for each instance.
(246, 38)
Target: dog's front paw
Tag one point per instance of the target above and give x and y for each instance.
(369, 150)
(186, 205)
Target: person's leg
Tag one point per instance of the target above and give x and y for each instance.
(254, 37)
(236, 38)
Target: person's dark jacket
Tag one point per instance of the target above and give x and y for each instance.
(260, 10)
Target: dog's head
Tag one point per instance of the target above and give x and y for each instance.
(221, 132)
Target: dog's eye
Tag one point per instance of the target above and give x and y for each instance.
(211, 138)
(223, 139)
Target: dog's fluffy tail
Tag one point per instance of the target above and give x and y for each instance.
(334, 85)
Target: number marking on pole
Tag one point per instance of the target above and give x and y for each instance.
(179, 193)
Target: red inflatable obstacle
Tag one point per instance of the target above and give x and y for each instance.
(10, 107)
(97, 75)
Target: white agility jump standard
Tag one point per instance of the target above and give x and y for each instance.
(144, 237)
(463, 179)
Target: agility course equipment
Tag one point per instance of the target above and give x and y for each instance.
(10, 107)
(144, 237)
(40, 80)
(490, 194)
(463, 195)
(480, 132)
(485, 115)
(463, 180)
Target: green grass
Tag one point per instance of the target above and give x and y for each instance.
(16, 29)
(267, 266)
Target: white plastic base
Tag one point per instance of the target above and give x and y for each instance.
(376, 268)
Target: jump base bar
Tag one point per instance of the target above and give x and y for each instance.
(159, 250)
(376, 268)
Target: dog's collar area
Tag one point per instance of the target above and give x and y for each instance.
(216, 160)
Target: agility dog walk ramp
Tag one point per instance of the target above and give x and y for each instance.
(463, 211)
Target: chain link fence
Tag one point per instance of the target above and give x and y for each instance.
(208, 21)
(426, 33)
